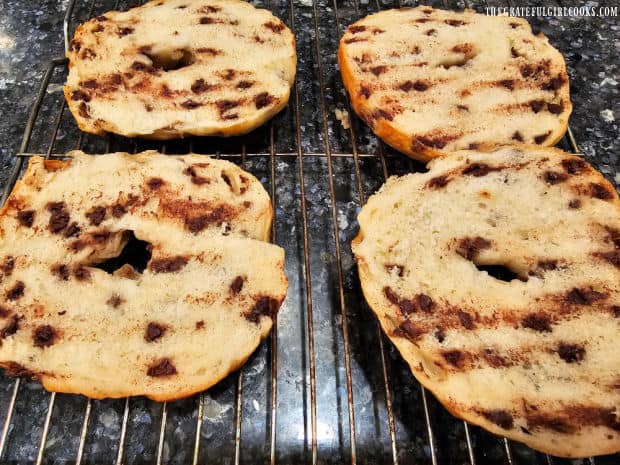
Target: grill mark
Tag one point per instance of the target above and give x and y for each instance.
(502, 418)
(569, 418)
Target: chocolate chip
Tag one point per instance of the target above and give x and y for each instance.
(501, 418)
(16, 292)
(161, 367)
(8, 266)
(365, 92)
(356, 29)
(612, 257)
(507, 83)
(575, 203)
(539, 139)
(80, 95)
(200, 324)
(470, 247)
(61, 271)
(168, 265)
(425, 303)
(115, 300)
(398, 269)
(264, 306)
(477, 169)
(466, 320)
(537, 105)
(244, 84)
(275, 27)
(584, 296)
(554, 177)
(263, 99)
(410, 331)
(453, 357)
(155, 183)
(377, 70)
(199, 86)
(463, 107)
(517, 136)
(554, 108)
(83, 110)
(440, 335)
(73, 230)
(81, 273)
(96, 215)
(190, 104)
(44, 336)
(391, 295)
(571, 353)
(574, 165)
(438, 182)
(11, 327)
(553, 84)
(26, 218)
(59, 218)
(237, 285)
(599, 191)
(154, 331)
(538, 322)
(4, 312)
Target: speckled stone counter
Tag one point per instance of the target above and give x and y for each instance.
(31, 35)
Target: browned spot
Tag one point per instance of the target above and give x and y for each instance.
(263, 99)
(409, 331)
(465, 48)
(26, 218)
(123, 31)
(494, 359)
(575, 203)
(574, 165)
(276, 27)
(209, 51)
(599, 191)
(244, 84)
(7, 266)
(216, 216)
(538, 322)
(537, 105)
(517, 136)
(115, 300)
(454, 22)
(88, 54)
(470, 247)
(611, 257)
(80, 95)
(61, 271)
(547, 265)
(15, 369)
(377, 70)
(554, 83)
(81, 273)
(539, 139)
(501, 418)
(554, 177)
(154, 331)
(83, 110)
(237, 285)
(59, 217)
(190, 104)
(155, 183)
(365, 92)
(264, 306)
(466, 320)
(584, 296)
(11, 327)
(382, 114)
(456, 358)
(571, 353)
(199, 86)
(44, 336)
(507, 83)
(478, 169)
(392, 268)
(352, 40)
(356, 29)
(96, 215)
(118, 210)
(438, 182)
(161, 367)
(16, 292)
(168, 265)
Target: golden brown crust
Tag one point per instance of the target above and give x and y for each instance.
(530, 358)
(426, 111)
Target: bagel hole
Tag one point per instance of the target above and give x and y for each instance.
(171, 60)
(135, 254)
(500, 272)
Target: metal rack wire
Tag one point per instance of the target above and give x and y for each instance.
(388, 416)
